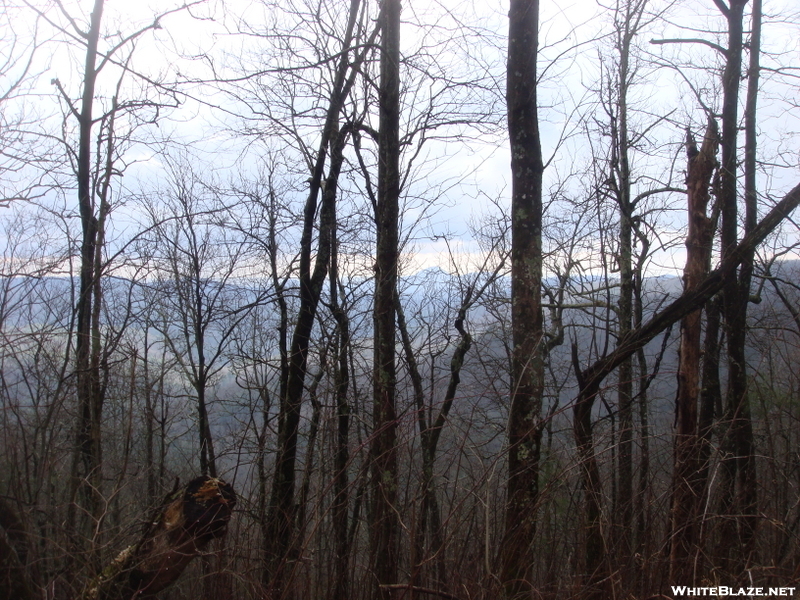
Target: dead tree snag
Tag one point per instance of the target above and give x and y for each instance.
(181, 528)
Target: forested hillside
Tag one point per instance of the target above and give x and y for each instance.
(354, 300)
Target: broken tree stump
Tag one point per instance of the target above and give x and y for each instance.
(180, 529)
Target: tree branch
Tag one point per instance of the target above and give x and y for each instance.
(421, 590)
(716, 47)
(723, 8)
(690, 300)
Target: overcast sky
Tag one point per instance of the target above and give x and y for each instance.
(453, 186)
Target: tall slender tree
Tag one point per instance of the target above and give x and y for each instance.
(743, 427)
(527, 377)
(385, 526)
(87, 468)
(281, 514)
(94, 164)
(738, 466)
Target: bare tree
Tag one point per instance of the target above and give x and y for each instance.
(738, 476)
(527, 376)
(93, 158)
(637, 195)
(198, 262)
(590, 379)
(739, 487)
(385, 526)
(688, 488)
(281, 516)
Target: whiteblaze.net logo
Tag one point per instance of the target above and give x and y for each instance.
(682, 591)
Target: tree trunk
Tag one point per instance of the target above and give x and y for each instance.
(429, 517)
(87, 465)
(527, 377)
(710, 407)
(596, 574)
(644, 491)
(385, 526)
(626, 31)
(341, 377)
(687, 488)
(280, 517)
(738, 465)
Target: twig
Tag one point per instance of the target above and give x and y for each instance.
(415, 588)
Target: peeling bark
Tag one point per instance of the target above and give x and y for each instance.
(687, 490)
(181, 528)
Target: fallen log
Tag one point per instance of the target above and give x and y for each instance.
(184, 524)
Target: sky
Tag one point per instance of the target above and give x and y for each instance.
(461, 182)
